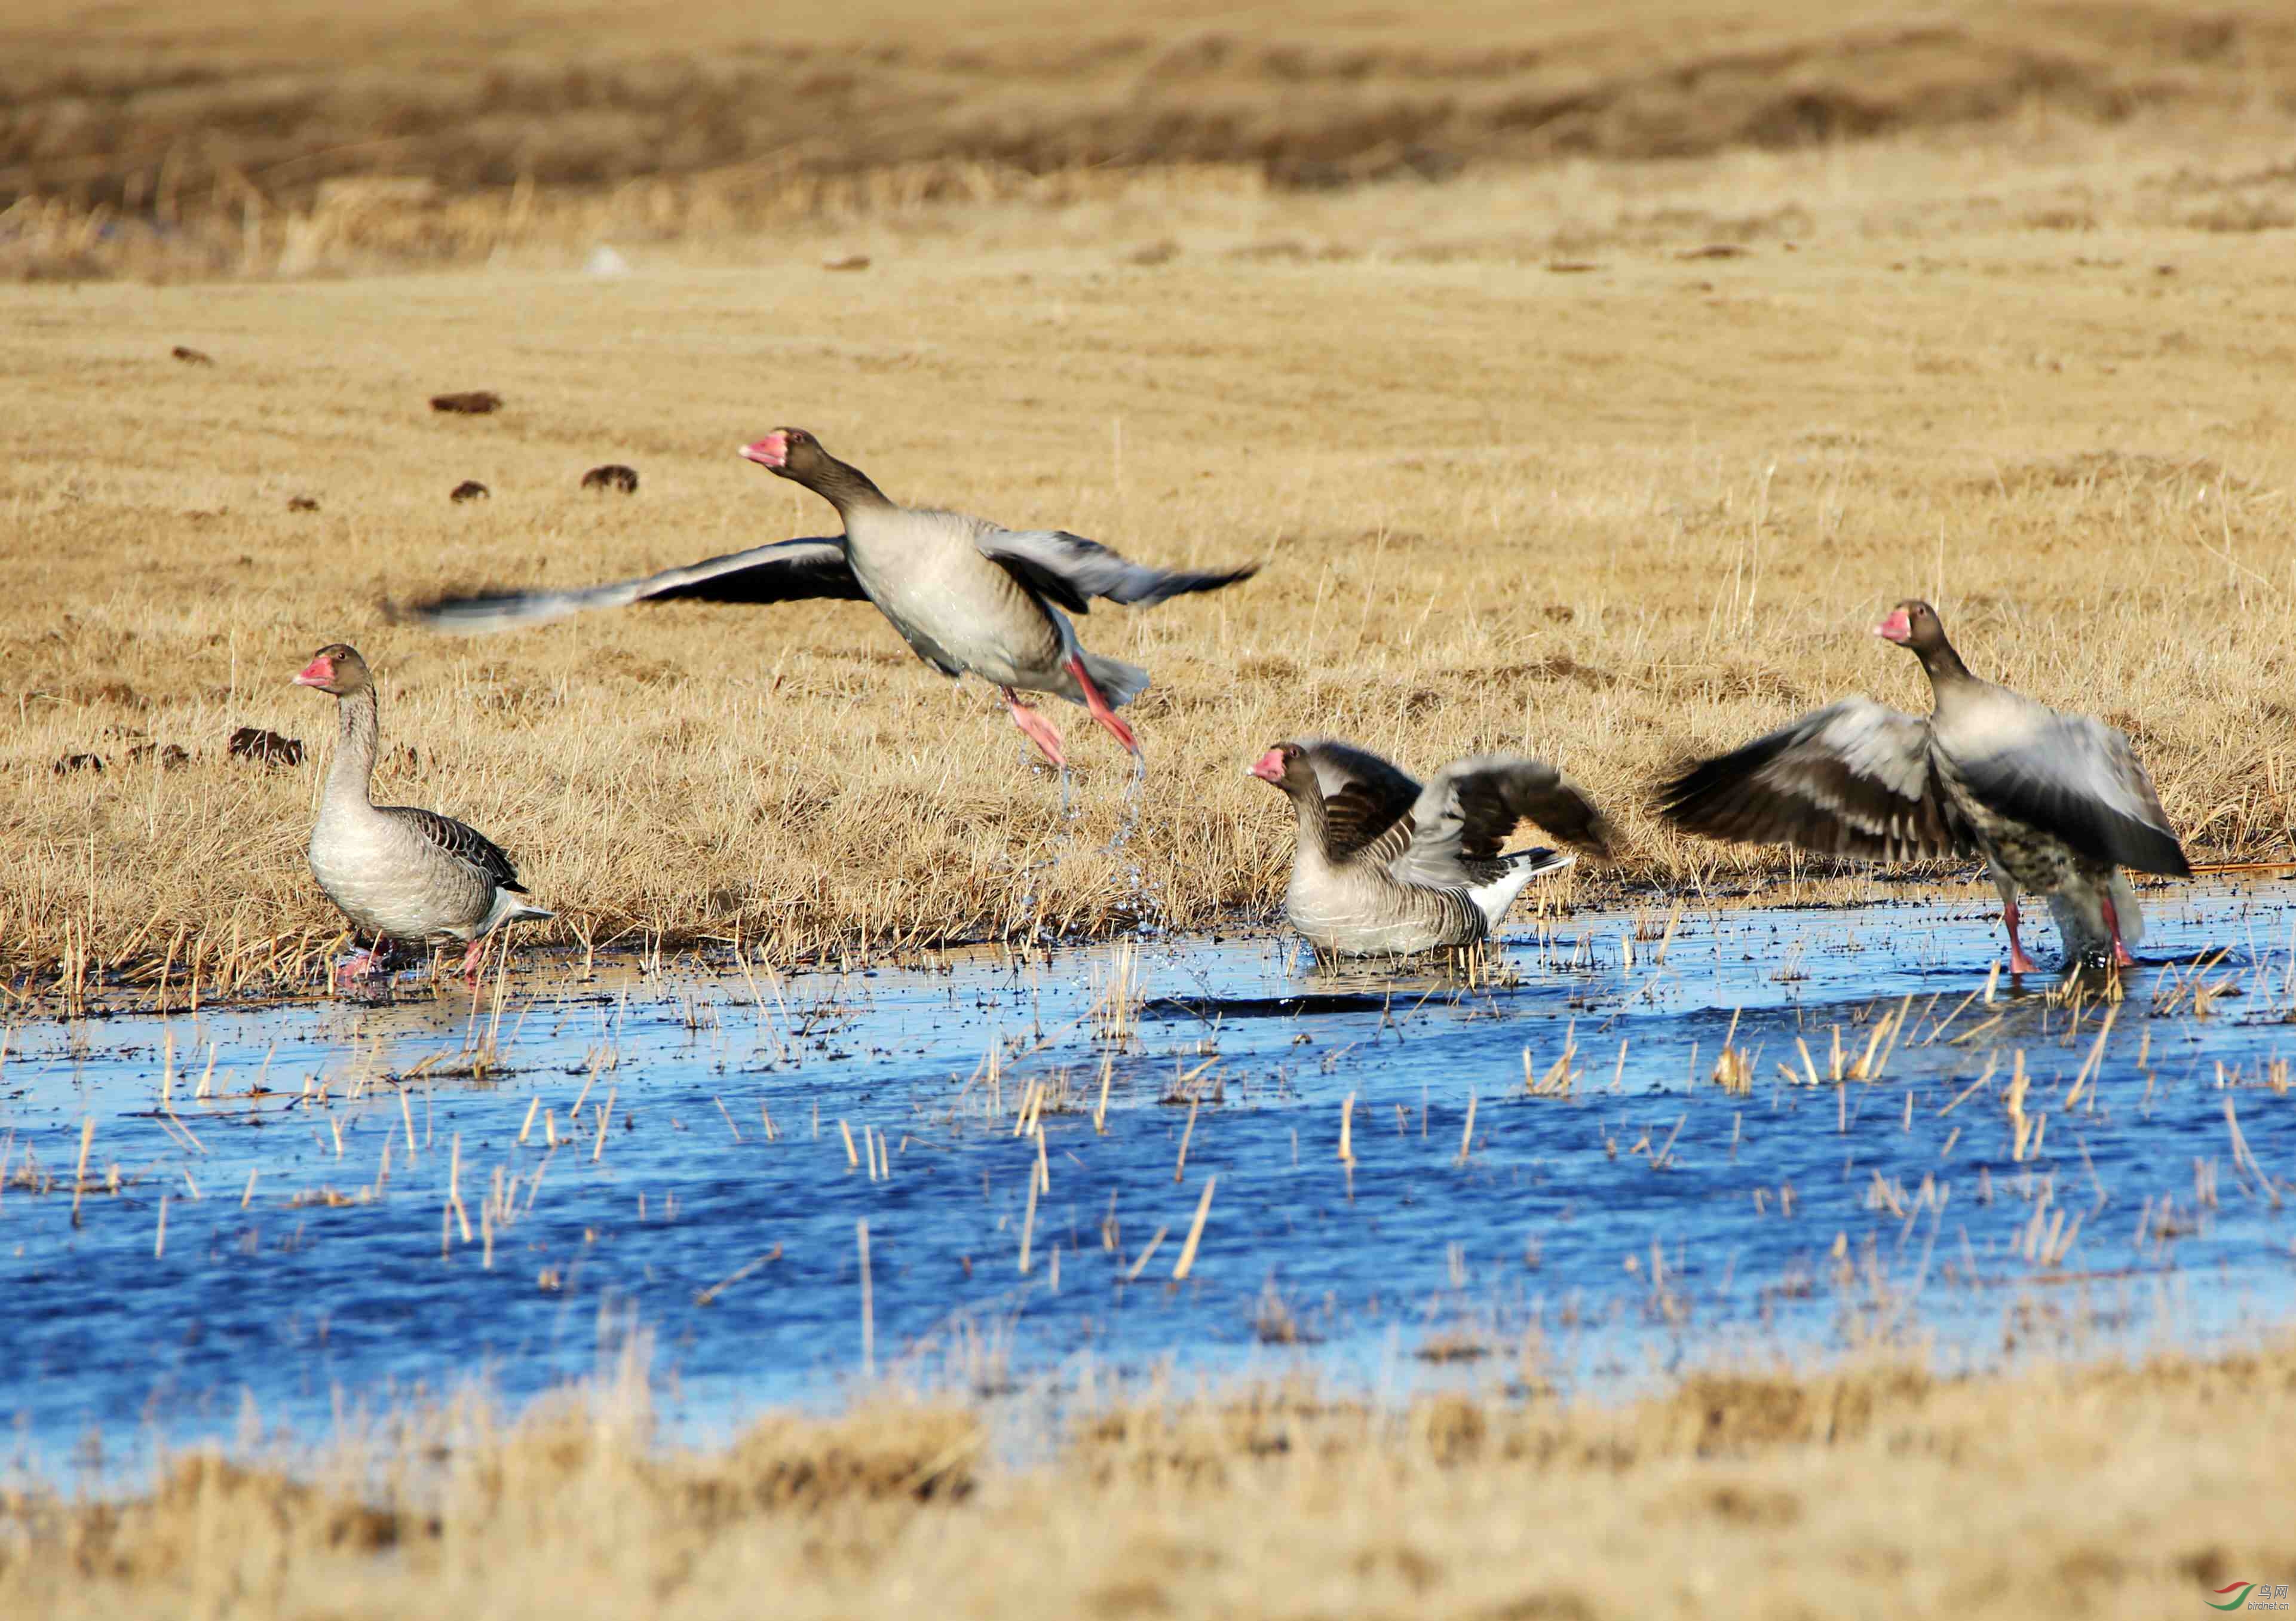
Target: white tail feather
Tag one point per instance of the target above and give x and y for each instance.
(1493, 899)
(511, 907)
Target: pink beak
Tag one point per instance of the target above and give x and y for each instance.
(1896, 627)
(1268, 767)
(772, 451)
(320, 671)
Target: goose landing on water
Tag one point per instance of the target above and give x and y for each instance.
(1385, 867)
(968, 596)
(2055, 803)
(398, 872)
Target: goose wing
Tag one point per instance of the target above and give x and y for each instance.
(2076, 777)
(460, 841)
(1365, 795)
(786, 571)
(1469, 809)
(1855, 778)
(1072, 571)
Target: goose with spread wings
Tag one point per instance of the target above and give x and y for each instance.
(2055, 804)
(969, 596)
(1384, 866)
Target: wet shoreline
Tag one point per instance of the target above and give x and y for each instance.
(1550, 1177)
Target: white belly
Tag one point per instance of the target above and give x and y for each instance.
(1332, 918)
(389, 881)
(963, 613)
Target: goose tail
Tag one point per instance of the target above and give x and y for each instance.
(1493, 899)
(1119, 683)
(512, 907)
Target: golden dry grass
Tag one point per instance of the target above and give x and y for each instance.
(2109, 1489)
(1608, 460)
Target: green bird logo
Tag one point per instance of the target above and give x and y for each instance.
(2237, 1599)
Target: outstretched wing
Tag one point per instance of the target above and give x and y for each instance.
(464, 843)
(786, 571)
(1365, 796)
(1855, 778)
(2076, 777)
(1072, 571)
(1471, 807)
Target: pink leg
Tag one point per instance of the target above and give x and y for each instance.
(1040, 731)
(2120, 957)
(1098, 705)
(368, 962)
(2019, 962)
(473, 957)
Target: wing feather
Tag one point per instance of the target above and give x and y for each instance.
(463, 842)
(1471, 807)
(1072, 571)
(2075, 777)
(1854, 779)
(1365, 795)
(811, 567)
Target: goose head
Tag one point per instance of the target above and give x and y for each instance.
(1913, 624)
(791, 453)
(337, 668)
(1284, 765)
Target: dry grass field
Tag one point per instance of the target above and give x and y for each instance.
(1879, 1490)
(1611, 456)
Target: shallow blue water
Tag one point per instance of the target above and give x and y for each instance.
(1638, 1223)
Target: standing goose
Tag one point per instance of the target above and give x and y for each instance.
(395, 871)
(1383, 866)
(2055, 803)
(966, 594)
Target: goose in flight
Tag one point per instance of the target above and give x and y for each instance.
(968, 595)
(2056, 803)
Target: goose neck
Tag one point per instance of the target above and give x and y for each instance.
(847, 489)
(1945, 669)
(1315, 826)
(357, 732)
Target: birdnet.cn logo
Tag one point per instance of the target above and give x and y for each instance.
(2250, 1595)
